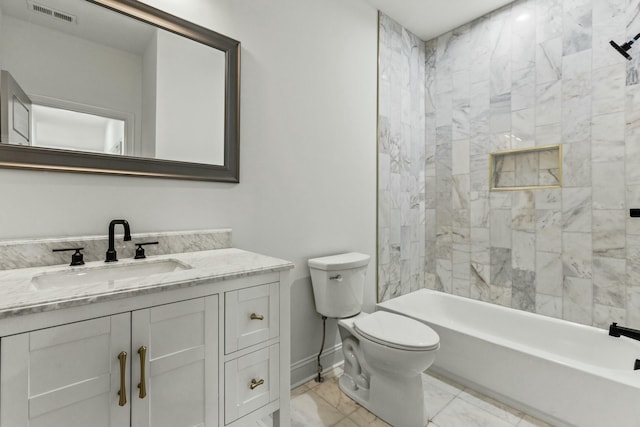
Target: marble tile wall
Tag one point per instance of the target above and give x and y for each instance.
(402, 206)
(534, 73)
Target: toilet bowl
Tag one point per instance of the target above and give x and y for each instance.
(384, 353)
(383, 370)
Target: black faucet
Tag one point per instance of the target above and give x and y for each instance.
(111, 252)
(616, 331)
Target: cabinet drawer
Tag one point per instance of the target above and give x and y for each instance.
(251, 382)
(251, 316)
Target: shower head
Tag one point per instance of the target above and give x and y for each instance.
(622, 49)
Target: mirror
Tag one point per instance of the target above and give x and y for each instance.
(116, 86)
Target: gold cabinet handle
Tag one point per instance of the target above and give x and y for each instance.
(256, 316)
(123, 388)
(142, 351)
(255, 383)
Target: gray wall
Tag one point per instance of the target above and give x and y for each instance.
(534, 73)
(307, 171)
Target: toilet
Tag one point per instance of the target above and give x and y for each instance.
(384, 353)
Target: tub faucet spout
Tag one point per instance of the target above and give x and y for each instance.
(616, 331)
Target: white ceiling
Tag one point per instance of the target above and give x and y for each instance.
(430, 18)
(94, 23)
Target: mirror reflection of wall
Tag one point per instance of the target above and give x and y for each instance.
(50, 58)
(168, 90)
(1, 35)
(184, 68)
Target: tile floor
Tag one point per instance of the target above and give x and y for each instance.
(448, 404)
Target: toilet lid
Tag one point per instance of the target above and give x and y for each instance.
(394, 330)
(340, 262)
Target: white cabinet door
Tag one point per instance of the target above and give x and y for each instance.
(66, 376)
(181, 364)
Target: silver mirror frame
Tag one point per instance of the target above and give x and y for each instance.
(21, 157)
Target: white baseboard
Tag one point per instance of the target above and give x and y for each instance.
(305, 369)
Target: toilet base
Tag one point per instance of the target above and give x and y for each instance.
(395, 399)
(348, 387)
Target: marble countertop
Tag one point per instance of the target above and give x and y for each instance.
(19, 295)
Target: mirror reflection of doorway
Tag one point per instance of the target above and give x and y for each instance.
(53, 123)
(71, 130)
(15, 112)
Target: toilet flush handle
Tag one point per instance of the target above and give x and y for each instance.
(337, 277)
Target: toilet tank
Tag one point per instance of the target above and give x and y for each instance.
(338, 283)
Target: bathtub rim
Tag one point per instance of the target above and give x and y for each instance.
(618, 375)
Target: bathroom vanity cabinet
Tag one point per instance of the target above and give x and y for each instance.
(68, 375)
(210, 354)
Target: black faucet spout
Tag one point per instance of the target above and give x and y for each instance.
(111, 251)
(616, 331)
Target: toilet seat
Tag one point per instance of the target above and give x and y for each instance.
(396, 331)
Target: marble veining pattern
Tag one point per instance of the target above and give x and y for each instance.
(405, 162)
(448, 404)
(531, 74)
(33, 253)
(18, 295)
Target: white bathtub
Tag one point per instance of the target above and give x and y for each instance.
(563, 372)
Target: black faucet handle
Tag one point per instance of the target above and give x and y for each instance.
(76, 259)
(140, 250)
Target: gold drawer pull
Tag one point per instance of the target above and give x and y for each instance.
(256, 316)
(142, 351)
(123, 388)
(255, 383)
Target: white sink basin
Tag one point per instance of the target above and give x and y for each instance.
(105, 273)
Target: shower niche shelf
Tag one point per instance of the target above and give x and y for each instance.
(526, 169)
